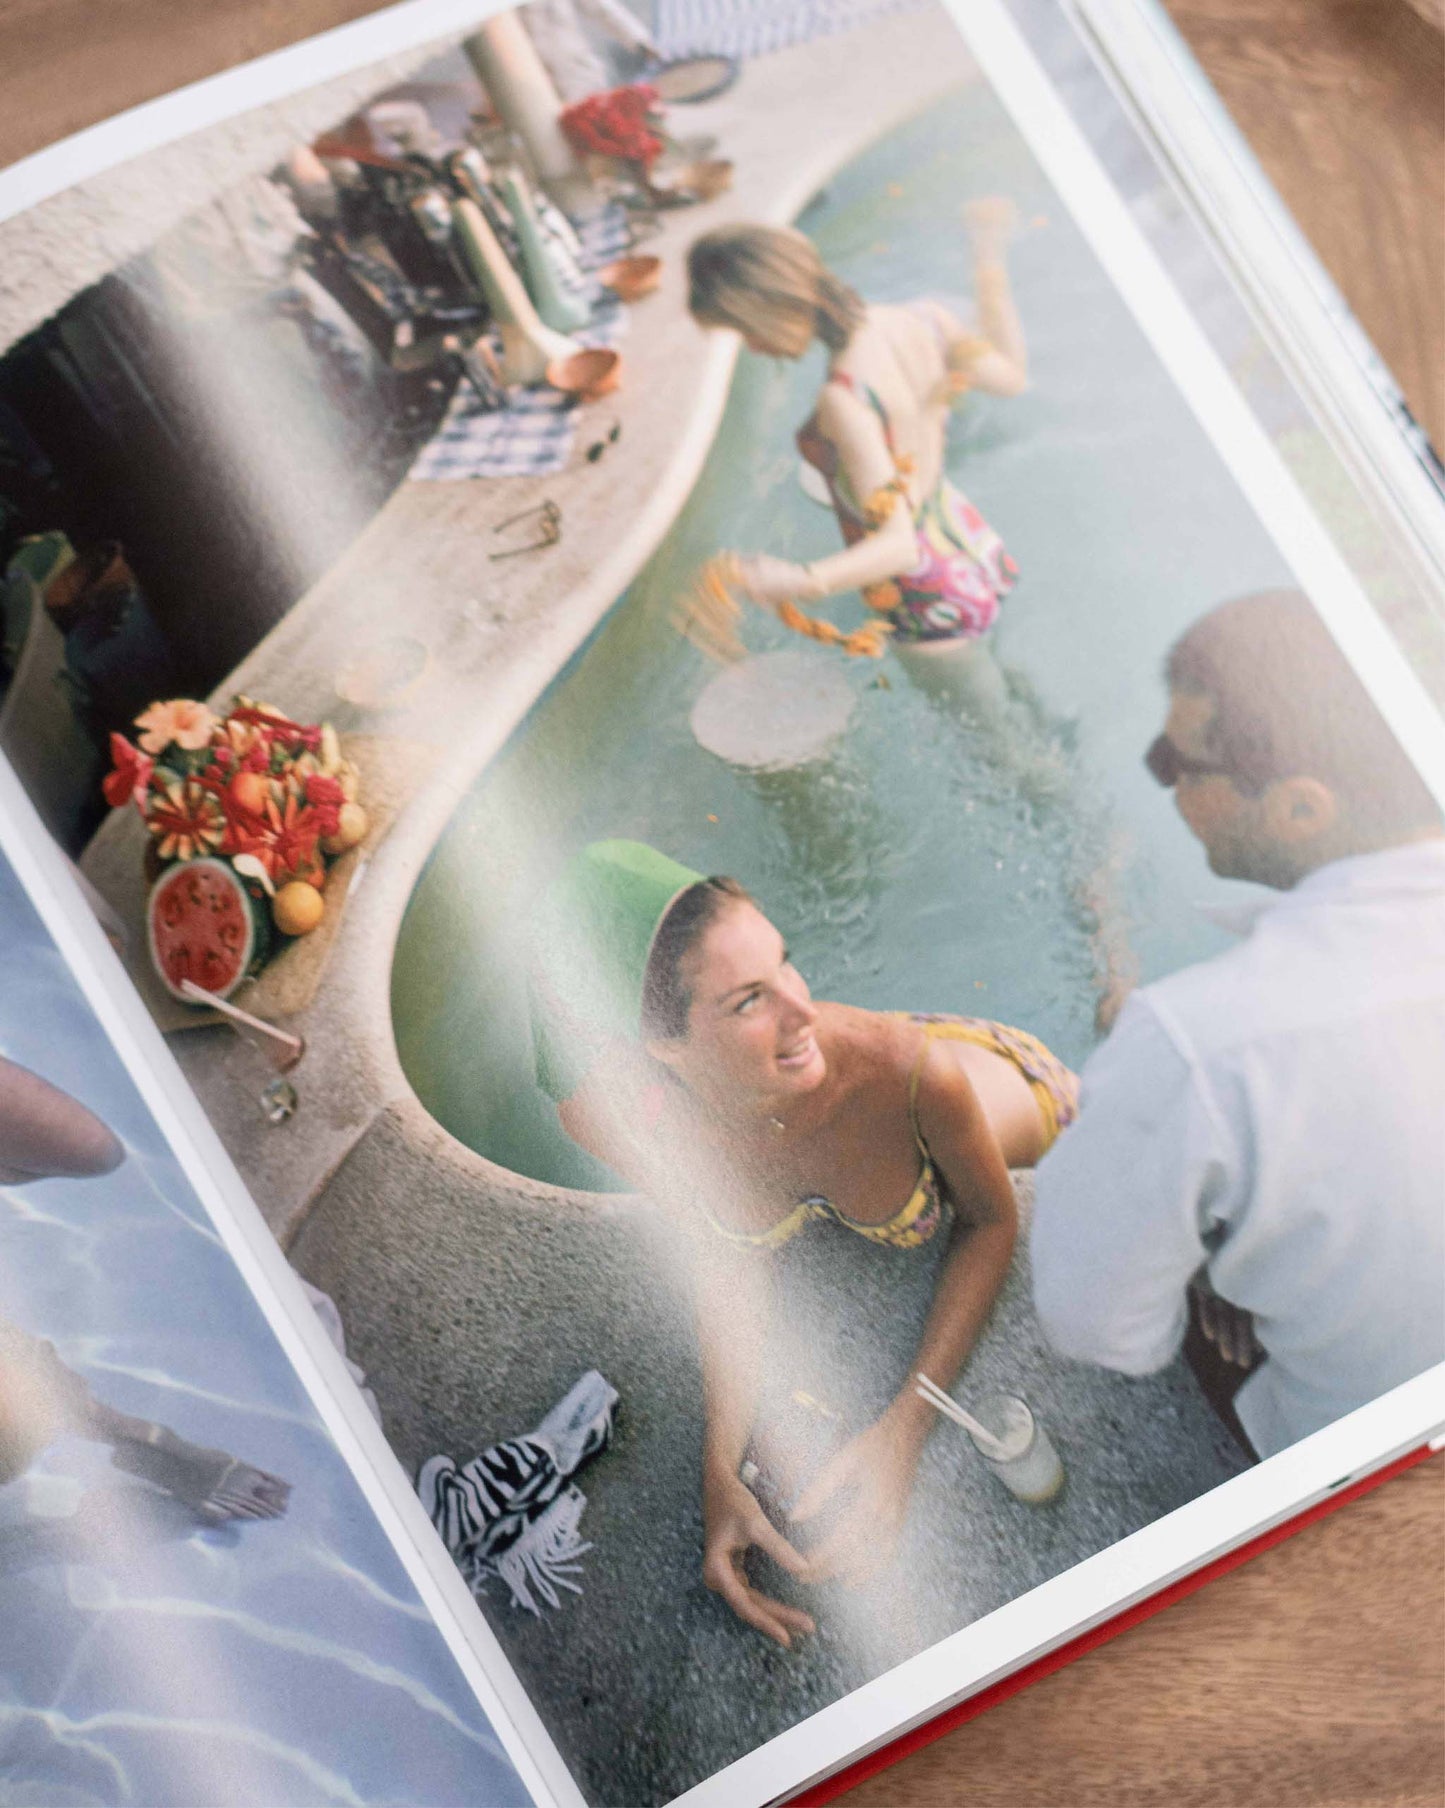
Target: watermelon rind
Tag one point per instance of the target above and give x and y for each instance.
(239, 963)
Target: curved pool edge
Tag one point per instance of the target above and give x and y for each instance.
(794, 120)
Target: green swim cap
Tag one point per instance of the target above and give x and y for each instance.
(594, 933)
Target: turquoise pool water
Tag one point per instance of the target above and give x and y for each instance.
(910, 869)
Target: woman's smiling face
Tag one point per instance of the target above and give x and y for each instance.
(750, 1033)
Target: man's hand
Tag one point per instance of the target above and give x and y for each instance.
(733, 1523)
(1228, 1327)
(873, 1474)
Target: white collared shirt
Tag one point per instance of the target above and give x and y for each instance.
(1276, 1114)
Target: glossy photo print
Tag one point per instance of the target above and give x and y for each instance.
(670, 614)
(196, 1601)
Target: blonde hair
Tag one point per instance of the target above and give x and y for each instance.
(744, 276)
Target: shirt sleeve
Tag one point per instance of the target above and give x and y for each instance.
(1122, 1199)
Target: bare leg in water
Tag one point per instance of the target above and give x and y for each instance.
(962, 678)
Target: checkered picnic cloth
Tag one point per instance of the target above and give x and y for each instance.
(533, 434)
(749, 28)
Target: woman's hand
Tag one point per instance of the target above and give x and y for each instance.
(733, 1523)
(874, 1474)
(767, 581)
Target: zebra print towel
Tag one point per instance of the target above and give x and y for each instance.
(512, 1511)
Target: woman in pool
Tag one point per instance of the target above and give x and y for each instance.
(685, 1050)
(922, 556)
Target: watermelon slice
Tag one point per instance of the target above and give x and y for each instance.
(206, 925)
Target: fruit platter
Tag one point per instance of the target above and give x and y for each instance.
(244, 816)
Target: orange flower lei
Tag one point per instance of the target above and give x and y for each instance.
(709, 618)
(868, 642)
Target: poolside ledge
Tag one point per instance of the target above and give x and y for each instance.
(496, 634)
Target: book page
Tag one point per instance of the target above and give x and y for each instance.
(786, 815)
(198, 1601)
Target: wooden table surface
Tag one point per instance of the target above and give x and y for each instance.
(1314, 1677)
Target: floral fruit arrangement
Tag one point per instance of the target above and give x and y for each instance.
(243, 812)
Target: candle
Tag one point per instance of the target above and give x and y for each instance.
(506, 60)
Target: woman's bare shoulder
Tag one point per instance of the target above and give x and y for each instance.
(877, 1045)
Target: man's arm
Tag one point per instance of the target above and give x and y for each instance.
(1121, 1200)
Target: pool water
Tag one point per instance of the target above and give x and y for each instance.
(924, 864)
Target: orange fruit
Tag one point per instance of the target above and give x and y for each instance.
(297, 908)
(249, 792)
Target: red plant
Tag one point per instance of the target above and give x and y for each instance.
(326, 797)
(131, 773)
(615, 124)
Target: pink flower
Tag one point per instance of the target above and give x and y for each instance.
(127, 783)
(179, 723)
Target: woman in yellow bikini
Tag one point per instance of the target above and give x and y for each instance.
(685, 1050)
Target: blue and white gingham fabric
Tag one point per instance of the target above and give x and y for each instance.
(749, 28)
(533, 434)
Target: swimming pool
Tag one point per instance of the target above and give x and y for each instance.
(909, 869)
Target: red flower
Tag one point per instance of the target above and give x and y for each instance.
(132, 771)
(243, 838)
(326, 797)
(296, 831)
(614, 124)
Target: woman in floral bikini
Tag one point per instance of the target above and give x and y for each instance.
(926, 562)
(923, 557)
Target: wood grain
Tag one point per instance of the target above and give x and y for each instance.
(1344, 104)
(1314, 1677)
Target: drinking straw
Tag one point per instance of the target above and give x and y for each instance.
(929, 1390)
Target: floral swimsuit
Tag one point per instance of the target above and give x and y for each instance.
(963, 570)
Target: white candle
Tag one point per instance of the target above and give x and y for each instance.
(506, 60)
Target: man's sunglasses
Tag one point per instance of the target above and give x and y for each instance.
(1168, 765)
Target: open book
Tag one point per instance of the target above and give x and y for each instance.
(628, 1171)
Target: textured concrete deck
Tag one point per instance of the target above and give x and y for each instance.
(473, 1315)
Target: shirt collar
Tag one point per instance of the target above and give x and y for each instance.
(1415, 867)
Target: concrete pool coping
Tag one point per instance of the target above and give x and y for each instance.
(497, 634)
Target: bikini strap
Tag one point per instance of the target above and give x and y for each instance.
(915, 1075)
(865, 393)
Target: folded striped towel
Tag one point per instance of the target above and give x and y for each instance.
(512, 1512)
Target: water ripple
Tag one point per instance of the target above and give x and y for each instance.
(97, 1593)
